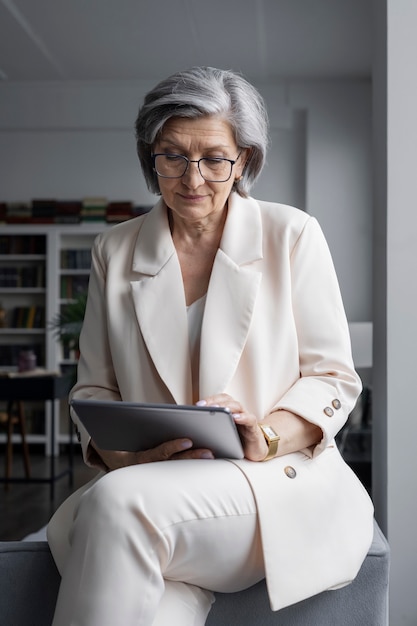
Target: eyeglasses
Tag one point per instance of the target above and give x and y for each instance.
(212, 169)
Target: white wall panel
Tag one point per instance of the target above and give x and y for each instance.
(75, 139)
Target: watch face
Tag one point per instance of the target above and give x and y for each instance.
(269, 432)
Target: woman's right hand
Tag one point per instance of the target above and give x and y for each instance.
(168, 451)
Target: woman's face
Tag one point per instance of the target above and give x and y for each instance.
(191, 198)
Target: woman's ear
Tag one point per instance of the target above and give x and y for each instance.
(241, 163)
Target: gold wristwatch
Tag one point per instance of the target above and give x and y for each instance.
(272, 440)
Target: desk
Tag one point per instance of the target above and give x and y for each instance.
(48, 388)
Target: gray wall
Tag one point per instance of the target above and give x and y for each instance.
(75, 139)
(395, 302)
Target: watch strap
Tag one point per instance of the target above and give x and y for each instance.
(272, 441)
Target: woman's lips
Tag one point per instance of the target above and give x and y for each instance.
(189, 198)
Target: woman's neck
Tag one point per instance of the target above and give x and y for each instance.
(196, 245)
(206, 231)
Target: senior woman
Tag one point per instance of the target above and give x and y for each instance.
(212, 298)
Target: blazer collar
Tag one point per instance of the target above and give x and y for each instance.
(241, 240)
(231, 296)
(154, 245)
(159, 299)
(242, 235)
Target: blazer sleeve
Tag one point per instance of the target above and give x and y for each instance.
(328, 386)
(96, 377)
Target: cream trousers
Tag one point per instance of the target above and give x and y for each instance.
(149, 544)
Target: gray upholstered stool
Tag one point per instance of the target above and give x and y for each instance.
(29, 584)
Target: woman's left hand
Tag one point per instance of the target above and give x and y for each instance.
(253, 441)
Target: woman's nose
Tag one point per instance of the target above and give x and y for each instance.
(192, 177)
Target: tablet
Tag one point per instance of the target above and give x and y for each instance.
(136, 426)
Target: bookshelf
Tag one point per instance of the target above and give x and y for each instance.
(42, 268)
(23, 257)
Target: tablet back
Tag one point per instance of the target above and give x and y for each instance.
(136, 426)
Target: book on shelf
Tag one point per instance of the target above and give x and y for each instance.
(18, 213)
(23, 244)
(9, 277)
(119, 211)
(28, 317)
(51, 211)
(32, 276)
(72, 286)
(22, 277)
(43, 211)
(122, 211)
(76, 258)
(94, 209)
(68, 211)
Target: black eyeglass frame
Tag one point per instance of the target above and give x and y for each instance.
(188, 161)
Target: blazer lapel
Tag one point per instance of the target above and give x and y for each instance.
(231, 296)
(159, 301)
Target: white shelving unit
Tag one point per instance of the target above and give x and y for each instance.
(62, 245)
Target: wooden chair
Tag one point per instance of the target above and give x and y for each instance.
(9, 419)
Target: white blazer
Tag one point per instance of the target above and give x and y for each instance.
(274, 335)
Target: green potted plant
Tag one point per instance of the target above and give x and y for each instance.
(66, 325)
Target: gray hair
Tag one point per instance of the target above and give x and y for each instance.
(198, 92)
